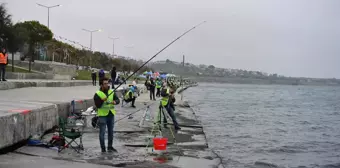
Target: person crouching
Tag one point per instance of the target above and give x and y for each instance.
(130, 96)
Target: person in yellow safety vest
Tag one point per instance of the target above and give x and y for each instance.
(158, 87)
(130, 96)
(105, 100)
(3, 64)
(167, 99)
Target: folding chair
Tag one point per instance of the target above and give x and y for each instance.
(72, 134)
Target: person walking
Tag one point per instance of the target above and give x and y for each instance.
(152, 89)
(113, 76)
(3, 64)
(105, 100)
(94, 77)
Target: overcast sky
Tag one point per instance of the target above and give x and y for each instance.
(288, 37)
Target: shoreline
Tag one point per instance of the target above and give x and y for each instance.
(274, 81)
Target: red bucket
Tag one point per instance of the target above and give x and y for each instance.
(160, 143)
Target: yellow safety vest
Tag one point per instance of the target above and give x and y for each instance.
(106, 108)
(126, 97)
(158, 84)
(165, 100)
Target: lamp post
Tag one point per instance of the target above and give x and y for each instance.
(91, 31)
(48, 12)
(113, 44)
(129, 48)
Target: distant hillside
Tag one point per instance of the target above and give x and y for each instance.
(175, 67)
(210, 73)
(204, 70)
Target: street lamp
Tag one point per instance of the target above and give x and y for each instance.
(48, 12)
(113, 44)
(91, 31)
(129, 49)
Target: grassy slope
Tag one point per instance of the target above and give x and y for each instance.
(17, 70)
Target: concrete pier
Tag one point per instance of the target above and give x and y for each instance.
(30, 111)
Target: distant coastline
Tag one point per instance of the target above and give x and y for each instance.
(272, 81)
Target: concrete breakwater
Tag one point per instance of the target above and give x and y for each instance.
(31, 111)
(14, 84)
(188, 147)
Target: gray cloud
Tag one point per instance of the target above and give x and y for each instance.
(289, 37)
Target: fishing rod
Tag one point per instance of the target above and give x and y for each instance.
(157, 54)
(146, 106)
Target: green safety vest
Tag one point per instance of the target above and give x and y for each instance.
(106, 108)
(158, 84)
(165, 100)
(126, 97)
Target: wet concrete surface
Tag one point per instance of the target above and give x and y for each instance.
(188, 149)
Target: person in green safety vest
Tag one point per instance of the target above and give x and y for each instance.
(158, 87)
(167, 100)
(105, 100)
(130, 96)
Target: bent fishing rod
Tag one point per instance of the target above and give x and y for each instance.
(157, 54)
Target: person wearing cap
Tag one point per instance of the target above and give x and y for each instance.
(167, 101)
(130, 96)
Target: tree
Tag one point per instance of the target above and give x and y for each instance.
(35, 33)
(126, 67)
(117, 63)
(5, 25)
(212, 67)
(15, 41)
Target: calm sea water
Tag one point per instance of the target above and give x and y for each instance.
(259, 126)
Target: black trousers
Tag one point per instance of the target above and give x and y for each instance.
(131, 100)
(113, 84)
(158, 93)
(152, 93)
(3, 71)
(94, 80)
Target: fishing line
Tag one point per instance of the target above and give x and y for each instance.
(158, 54)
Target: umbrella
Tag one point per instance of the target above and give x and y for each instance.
(156, 74)
(163, 76)
(142, 76)
(149, 73)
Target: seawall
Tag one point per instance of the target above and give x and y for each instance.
(14, 84)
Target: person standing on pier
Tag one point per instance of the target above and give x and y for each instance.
(158, 87)
(167, 103)
(94, 77)
(101, 74)
(105, 100)
(113, 76)
(152, 86)
(3, 63)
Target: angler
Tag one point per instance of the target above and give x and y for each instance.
(105, 100)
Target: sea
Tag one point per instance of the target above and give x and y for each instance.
(270, 126)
